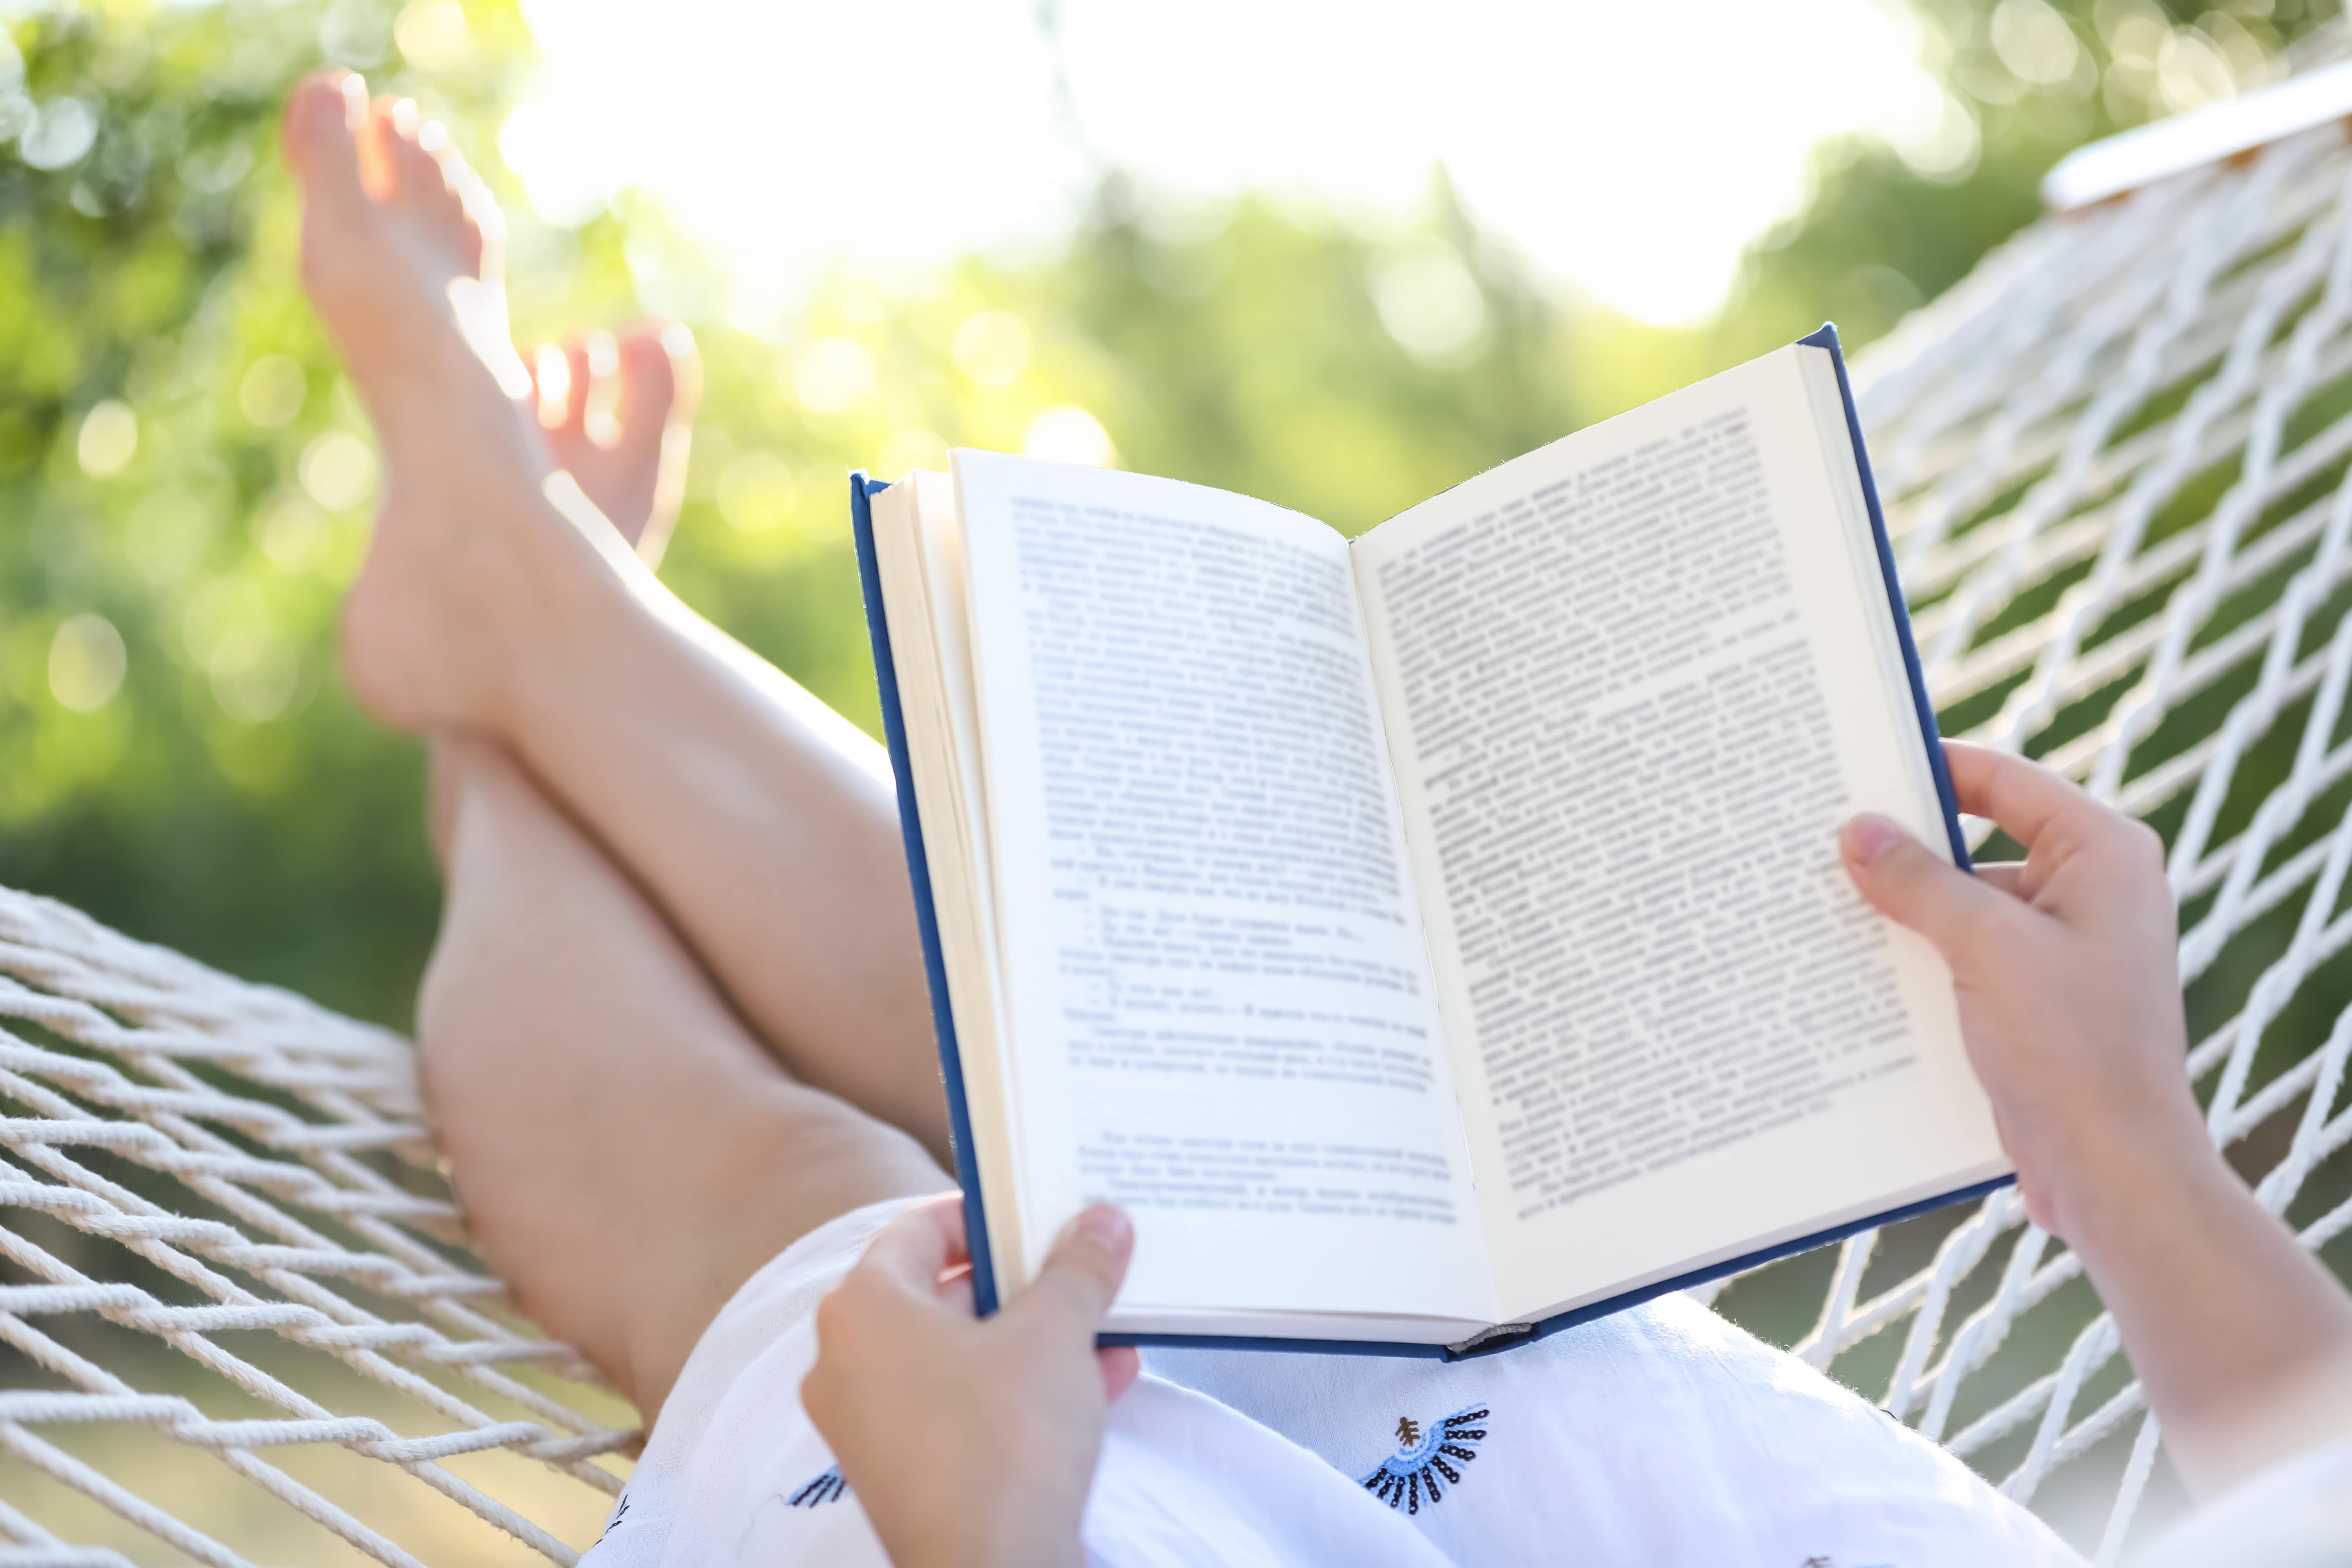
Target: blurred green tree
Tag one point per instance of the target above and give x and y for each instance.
(183, 486)
(185, 478)
(2026, 83)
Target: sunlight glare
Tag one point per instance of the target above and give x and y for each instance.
(992, 347)
(1069, 434)
(832, 374)
(1626, 156)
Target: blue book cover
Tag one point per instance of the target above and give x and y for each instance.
(862, 489)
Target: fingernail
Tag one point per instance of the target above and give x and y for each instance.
(1106, 1224)
(1869, 835)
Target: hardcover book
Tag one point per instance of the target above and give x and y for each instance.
(1436, 937)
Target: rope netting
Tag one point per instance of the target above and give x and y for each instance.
(233, 1173)
(2114, 463)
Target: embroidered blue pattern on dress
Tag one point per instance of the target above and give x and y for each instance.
(827, 1488)
(1424, 1463)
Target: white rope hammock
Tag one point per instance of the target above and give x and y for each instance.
(2113, 460)
(262, 1157)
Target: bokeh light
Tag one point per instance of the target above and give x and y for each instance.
(338, 469)
(87, 663)
(272, 391)
(832, 375)
(992, 347)
(109, 439)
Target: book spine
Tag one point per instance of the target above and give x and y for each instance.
(1827, 338)
(1729, 1266)
(919, 872)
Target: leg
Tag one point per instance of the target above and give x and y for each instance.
(663, 1156)
(763, 824)
(497, 601)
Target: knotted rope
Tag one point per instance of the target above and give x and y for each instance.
(2114, 466)
(264, 1159)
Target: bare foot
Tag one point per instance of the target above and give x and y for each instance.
(400, 254)
(400, 249)
(400, 245)
(618, 413)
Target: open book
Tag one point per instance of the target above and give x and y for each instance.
(1436, 937)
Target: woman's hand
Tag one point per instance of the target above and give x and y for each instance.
(2066, 971)
(972, 1442)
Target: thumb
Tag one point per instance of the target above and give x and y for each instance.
(1913, 887)
(1081, 1275)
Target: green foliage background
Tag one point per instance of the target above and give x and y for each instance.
(227, 799)
(185, 478)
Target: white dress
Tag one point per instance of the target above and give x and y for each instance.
(1659, 1436)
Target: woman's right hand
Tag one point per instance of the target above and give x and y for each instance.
(2066, 971)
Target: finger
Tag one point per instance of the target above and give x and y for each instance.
(914, 1249)
(1121, 1365)
(953, 1291)
(1081, 1275)
(1911, 884)
(2008, 876)
(2025, 799)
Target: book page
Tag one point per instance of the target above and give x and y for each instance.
(1635, 682)
(1219, 1004)
(918, 556)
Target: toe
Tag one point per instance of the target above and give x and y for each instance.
(660, 380)
(486, 226)
(660, 384)
(596, 380)
(451, 192)
(464, 205)
(320, 137)
(551, 380)
(417, 169)
(417, 180)
(442, 184)
(378, 134)
(458, 176)
(474, 207)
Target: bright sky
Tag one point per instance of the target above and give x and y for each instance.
(1630, 150)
